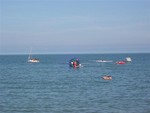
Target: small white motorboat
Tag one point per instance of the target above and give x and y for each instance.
(128, 59)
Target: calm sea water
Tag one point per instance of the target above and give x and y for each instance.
(52, 87)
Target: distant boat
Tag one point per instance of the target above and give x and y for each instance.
(120, 62)
(107, 77)
(32, 60)
(74, 62)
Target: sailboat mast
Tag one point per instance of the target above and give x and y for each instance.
(29, 57)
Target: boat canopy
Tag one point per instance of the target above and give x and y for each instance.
(128, 59)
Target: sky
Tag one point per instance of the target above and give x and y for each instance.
(74, 26)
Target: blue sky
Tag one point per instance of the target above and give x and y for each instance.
(74, 26)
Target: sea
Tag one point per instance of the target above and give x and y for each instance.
(51, 86)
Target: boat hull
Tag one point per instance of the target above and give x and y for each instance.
(33, 61)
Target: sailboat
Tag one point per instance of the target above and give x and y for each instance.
(32, 60)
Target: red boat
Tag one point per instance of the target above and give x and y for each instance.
(120, 62)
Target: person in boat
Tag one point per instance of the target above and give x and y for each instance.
(107, 77)
(75, 62)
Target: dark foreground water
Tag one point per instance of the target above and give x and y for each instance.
(52, 87)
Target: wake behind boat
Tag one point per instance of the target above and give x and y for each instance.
(103, 60)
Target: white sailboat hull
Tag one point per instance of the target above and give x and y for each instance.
(33, 61)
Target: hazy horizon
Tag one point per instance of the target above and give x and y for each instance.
(69, 53)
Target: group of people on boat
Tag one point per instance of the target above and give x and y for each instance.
(107, 77)
(75, 62)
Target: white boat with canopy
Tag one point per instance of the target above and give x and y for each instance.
(128, 59)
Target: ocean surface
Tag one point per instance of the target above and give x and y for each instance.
(51, 86)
